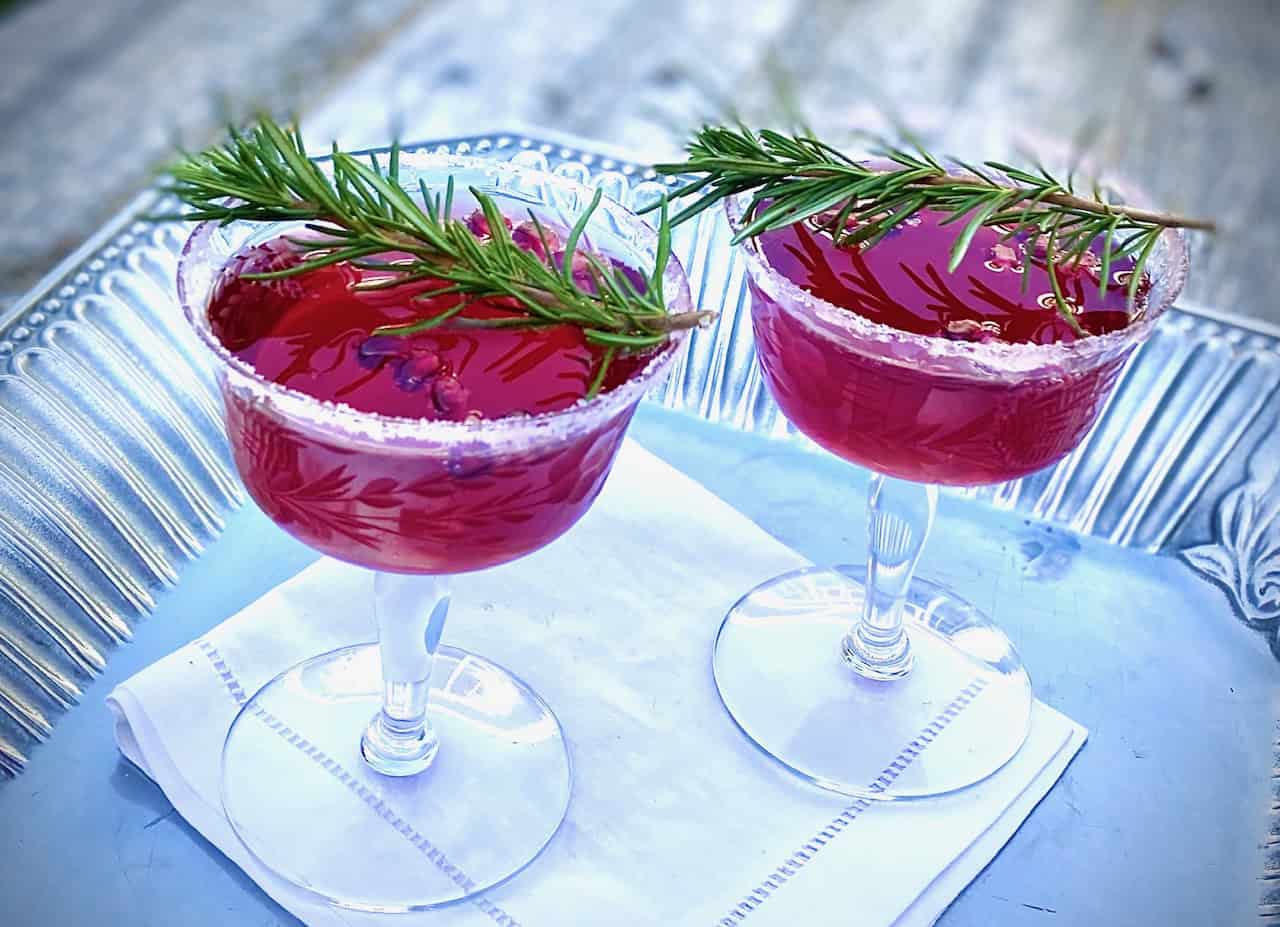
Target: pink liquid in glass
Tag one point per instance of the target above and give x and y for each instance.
(462, 505)
(878, 405)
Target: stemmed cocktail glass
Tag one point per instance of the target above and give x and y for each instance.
(868, 680)
(463, 774)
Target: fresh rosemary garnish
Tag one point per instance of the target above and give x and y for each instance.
(360, 212)
(791, 178)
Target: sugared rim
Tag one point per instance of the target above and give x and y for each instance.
(350, 423)
(995, 359)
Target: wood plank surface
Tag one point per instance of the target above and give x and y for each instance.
(94, 96)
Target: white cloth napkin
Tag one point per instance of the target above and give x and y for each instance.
(675, 819)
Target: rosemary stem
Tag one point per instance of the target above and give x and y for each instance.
(359, 212)
(1066, 200)
(1093, 207)
(790, 178)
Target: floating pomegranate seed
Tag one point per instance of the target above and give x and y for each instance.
(417, 369)
(525, 235)
(451, 398)
(377, 348)
(581, 270)
(972, 330)
(479, 225)
(1004, 257)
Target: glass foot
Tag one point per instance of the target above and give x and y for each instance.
(959, 715)
(303, 801)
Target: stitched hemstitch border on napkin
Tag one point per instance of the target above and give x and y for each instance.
(801, 857)
(331, 766)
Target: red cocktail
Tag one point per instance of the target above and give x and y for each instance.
(888, 359)
(998, 384)
(404, 505)
(460, 447)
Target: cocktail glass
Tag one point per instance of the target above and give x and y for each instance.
(866, 680)
(463, 775)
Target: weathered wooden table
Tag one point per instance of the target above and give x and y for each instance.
(1183, 92)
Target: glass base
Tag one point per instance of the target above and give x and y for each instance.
(959, 715)
(303, 801)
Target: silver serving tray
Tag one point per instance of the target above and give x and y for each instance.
(114, 470)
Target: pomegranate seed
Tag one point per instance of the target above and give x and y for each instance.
(451, 398)
(417, 369)
(377, 348)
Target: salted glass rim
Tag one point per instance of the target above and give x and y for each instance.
(343, 420)
(991, 359)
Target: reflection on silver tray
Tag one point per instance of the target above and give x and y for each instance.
(114, 469)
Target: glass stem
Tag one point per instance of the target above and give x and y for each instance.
(899, 516)
(411, 611)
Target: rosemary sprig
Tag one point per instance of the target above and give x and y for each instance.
(794, 177)
(360, 212)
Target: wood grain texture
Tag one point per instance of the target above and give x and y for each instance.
(1184, 92)
(96, 95)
